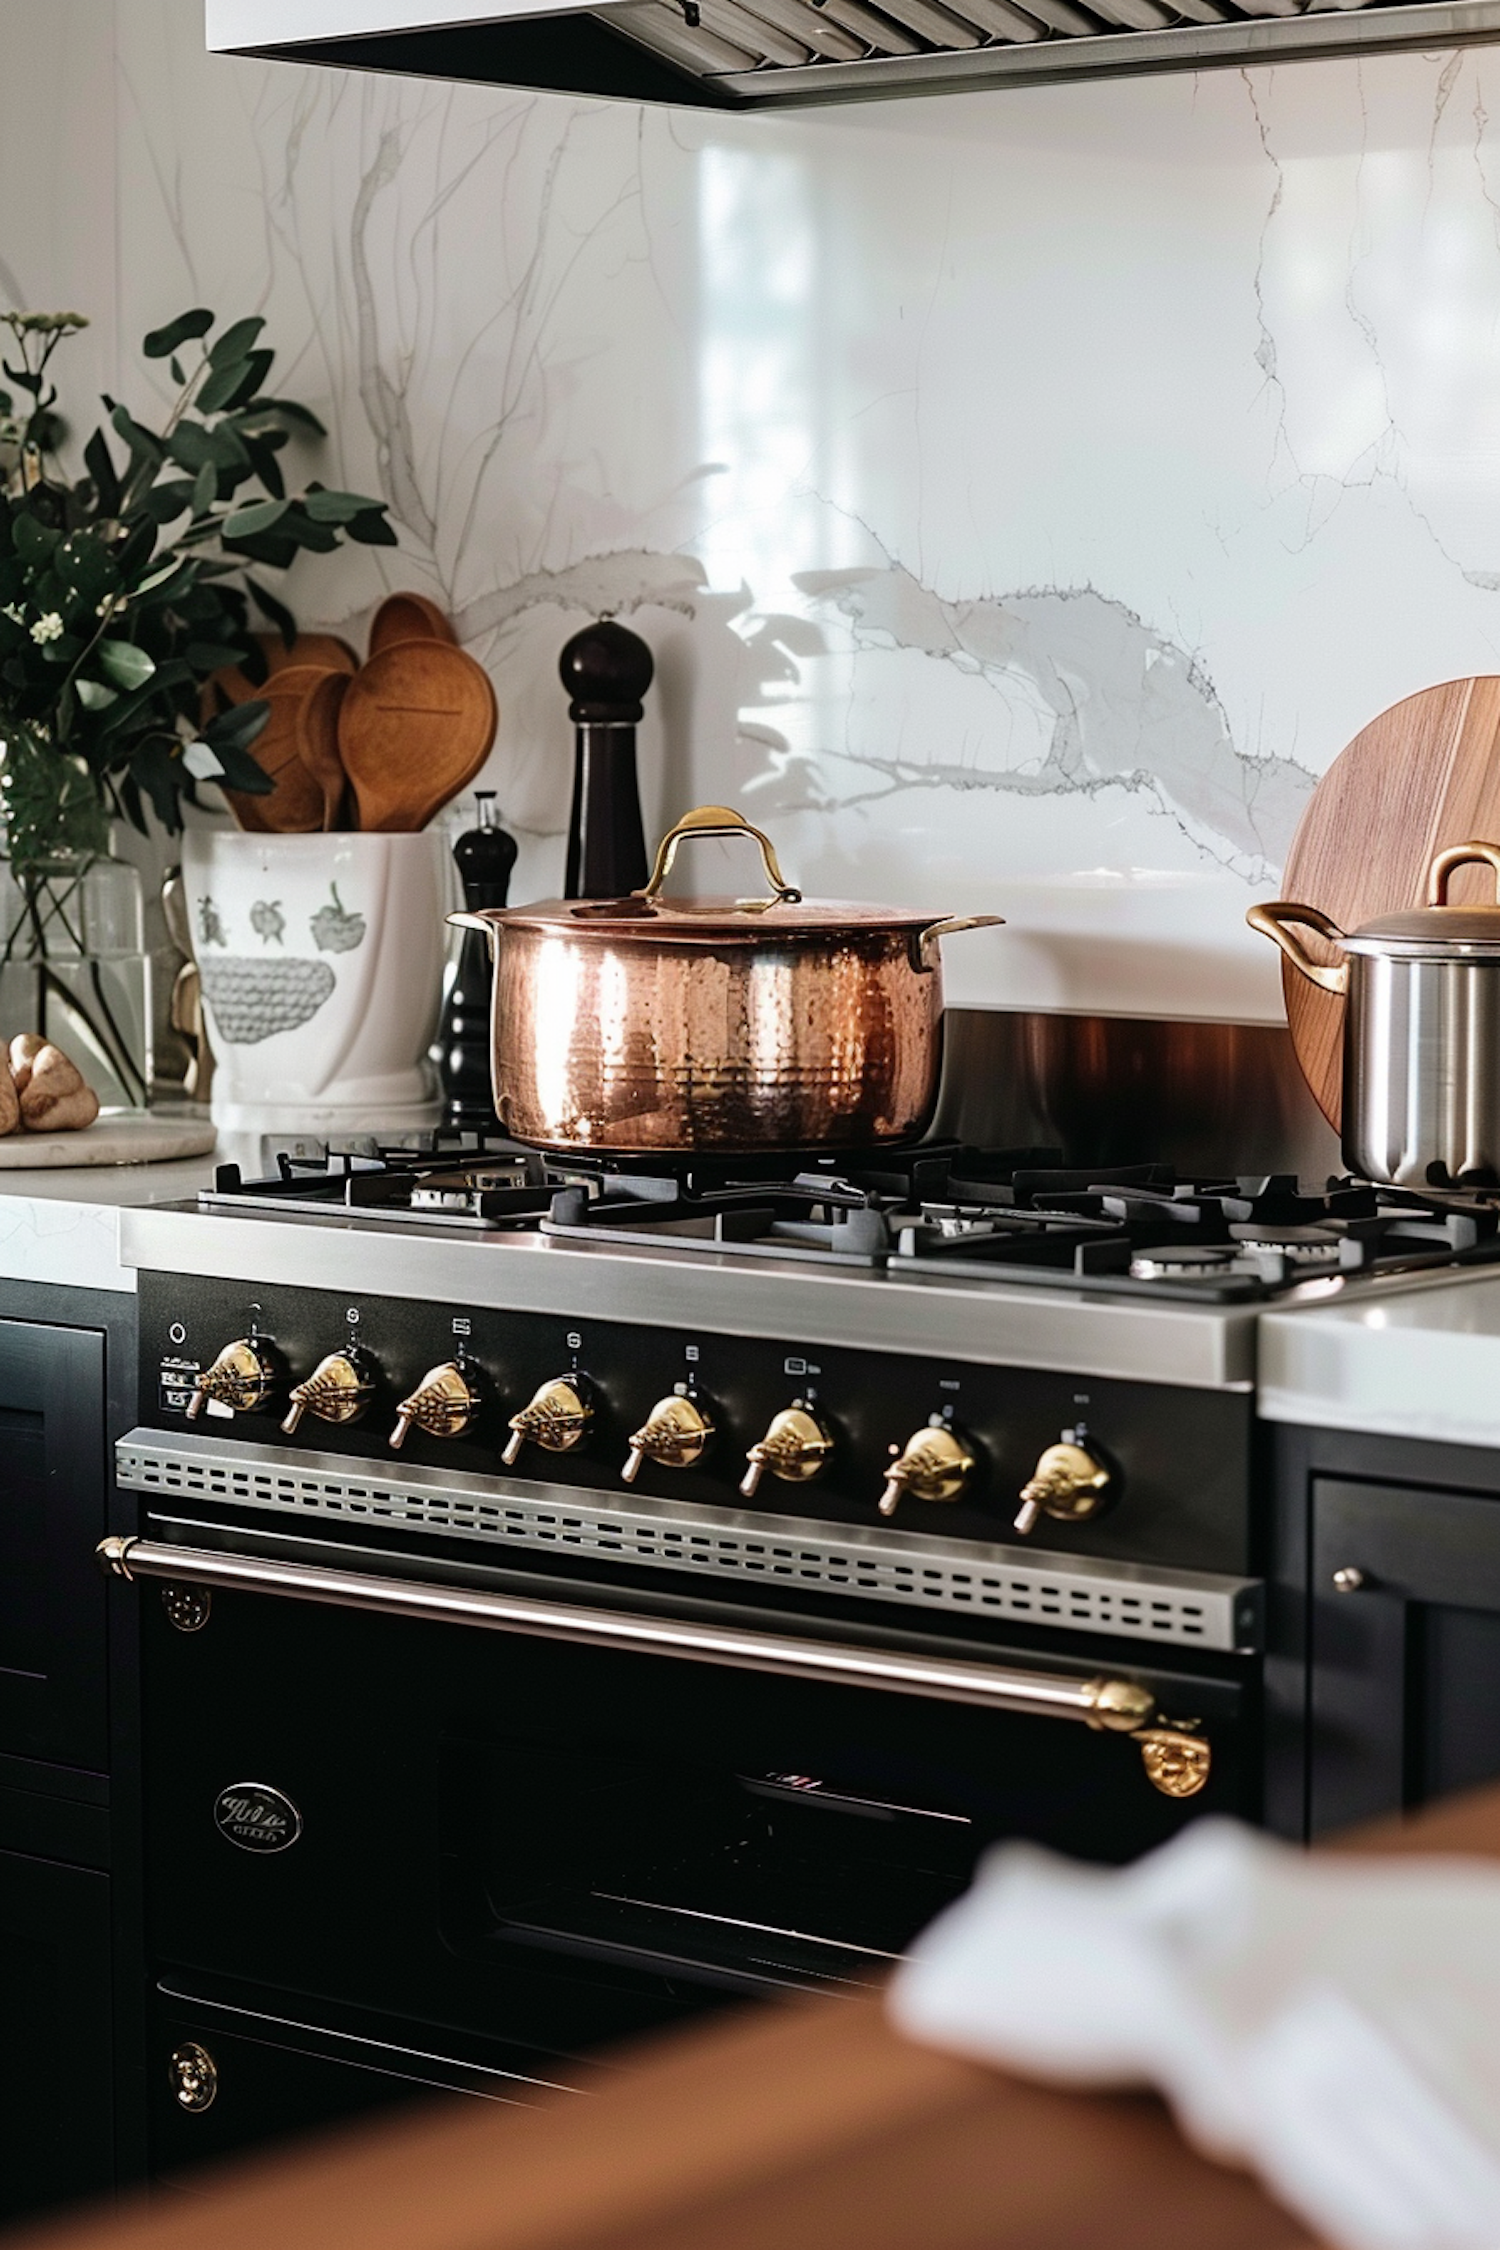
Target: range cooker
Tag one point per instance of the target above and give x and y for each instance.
(574, 1596)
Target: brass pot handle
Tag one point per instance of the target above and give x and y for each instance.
(924, 951)
(1270, 921)
(721, 820)
(1456, 856)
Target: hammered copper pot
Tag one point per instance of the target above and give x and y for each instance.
(651, 1023)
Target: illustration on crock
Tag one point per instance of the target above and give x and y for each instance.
(255, 996)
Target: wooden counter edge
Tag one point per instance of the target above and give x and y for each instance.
(810, 2126)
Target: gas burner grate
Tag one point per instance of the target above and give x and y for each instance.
(938, 1210)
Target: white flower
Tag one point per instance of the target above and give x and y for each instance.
(14, 612)
(48, 628)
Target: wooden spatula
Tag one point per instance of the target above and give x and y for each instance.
(295, 806)
(415, 726)
(317, 739)
(407, 617)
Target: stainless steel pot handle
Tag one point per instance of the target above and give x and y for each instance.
(1456, 856)
(722, 820)
(1112, 1705)
(1271, 920)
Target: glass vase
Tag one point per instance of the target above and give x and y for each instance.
(74, 966)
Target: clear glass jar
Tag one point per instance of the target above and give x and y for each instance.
(74, 966)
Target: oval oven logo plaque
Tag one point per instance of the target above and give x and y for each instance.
(256, 1817)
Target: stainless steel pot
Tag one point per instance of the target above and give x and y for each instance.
(1421, 1028)
(651, 1023)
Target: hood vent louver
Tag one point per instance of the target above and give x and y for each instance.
(762, 54)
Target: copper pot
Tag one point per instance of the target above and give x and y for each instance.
(650, 1023)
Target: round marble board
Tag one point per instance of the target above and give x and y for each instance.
(117, 1136)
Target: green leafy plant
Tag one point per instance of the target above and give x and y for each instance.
(122, 590)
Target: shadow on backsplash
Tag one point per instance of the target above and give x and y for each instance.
(1212, 1098)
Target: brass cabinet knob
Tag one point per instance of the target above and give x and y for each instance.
(241, 1378)
(556, 1419)
(933, 1465)
(339, 1389)
(795, 1448)
(443, 1404)
(675, 1435)
(1068, 1482)
(194, 2076)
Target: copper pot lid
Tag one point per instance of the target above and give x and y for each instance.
(782, 913)
(1438, 930)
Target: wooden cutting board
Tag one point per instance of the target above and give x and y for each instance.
(1424, 775)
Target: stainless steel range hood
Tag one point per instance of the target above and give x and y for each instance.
(764, 54)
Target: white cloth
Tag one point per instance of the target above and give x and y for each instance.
(1333, 2022)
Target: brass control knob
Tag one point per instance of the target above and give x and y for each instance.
(339, 1389)
(241, 1378)
(934, 1465)
(556, 1419)
(675, 1435)
(443, 1404)
(795, 1448)
(1068, 1482)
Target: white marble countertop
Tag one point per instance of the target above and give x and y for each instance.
(1421, 1363)
(64, 1226)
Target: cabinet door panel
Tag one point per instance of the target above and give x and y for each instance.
(52, 1514)
(1405, 1693)
(56, 2117)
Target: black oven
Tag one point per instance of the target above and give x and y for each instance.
(421, 1822)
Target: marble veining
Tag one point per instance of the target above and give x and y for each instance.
(1026, 494)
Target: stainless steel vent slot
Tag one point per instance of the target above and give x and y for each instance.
(1186, 1609)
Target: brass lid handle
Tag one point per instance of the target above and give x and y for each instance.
(241, 1378)
(721, 820)
(443, 1404)
(1447, 863)
(675, 1435)
(557, 1418)
(795, 1448)
(1068, 1482)
(339, 1389)
(934, 1465)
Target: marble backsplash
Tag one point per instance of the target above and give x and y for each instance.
(1026, 494)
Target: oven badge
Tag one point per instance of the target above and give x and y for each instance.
(256, 1817)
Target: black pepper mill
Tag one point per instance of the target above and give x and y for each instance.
(484, 855)
(606, 670)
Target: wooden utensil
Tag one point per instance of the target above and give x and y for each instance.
(231, 684)
(295, 806)
(317, 740)
(1424, 775)
(415, 727)
(407, 617)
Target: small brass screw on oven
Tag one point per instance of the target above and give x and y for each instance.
(1348, 1580)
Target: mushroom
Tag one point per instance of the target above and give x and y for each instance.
(10, 1100)
(55, 1098)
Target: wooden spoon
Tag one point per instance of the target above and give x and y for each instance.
(231, 684)
(317, 740)
(415, 726)
(295, 806)
(407, 617)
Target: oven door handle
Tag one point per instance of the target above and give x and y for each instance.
(1177, 1761)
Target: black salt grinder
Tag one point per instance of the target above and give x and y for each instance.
(485, 856)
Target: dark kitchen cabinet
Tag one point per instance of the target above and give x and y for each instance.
(56, 2060)
(1403, 1619)
(53, 1497)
